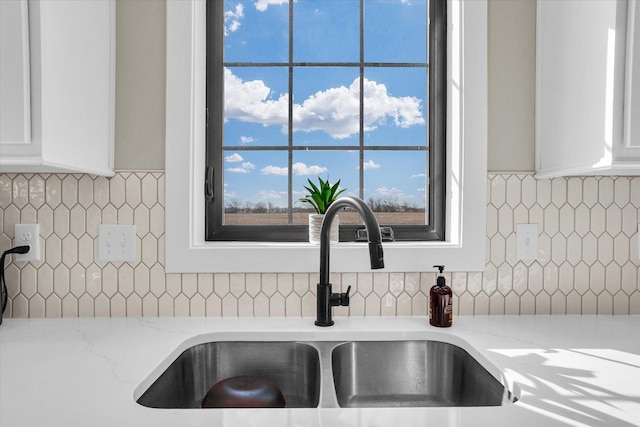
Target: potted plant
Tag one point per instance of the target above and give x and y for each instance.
(320, 198)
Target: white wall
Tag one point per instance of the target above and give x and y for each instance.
(140, 84)
(512, 55)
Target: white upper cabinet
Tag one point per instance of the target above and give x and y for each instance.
(58, 86)
(15, 103)
(587, 109)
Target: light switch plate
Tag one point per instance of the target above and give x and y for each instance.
(29, 235)
(116, 242)
(527, 241)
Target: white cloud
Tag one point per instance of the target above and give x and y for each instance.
(392, 192)
(418, 175)
(274, 170)
(384, 191)
(249, 102)
(232, 19)
(334, 111)
(262, 5)
(246, 139)
(302, 169)
(244, 168)
(233, 158)
(404, 111)
(371, 165)
(271, 194)
(298, 169)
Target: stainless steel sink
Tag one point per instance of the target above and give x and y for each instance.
(411, 373)
(332, 374)
(294, 367)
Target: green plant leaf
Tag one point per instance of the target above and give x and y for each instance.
(315, 189)
(334, 194)
(321, 196)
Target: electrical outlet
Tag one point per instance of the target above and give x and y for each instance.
(28, 235)
(116, 242)
(527, 241)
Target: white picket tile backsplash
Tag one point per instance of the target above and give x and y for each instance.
(587, 262)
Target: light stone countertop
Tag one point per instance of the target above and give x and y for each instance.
(565, 370)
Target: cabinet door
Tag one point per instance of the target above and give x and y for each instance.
(15, 117)
(580, 89)
(632, 84)
(58, 86)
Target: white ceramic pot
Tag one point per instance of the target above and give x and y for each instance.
(315, 226)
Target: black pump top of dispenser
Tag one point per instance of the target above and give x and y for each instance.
(440, 281)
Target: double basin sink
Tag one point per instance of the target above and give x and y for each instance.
(332, 374)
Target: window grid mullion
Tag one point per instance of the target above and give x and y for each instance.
(361, 100)
(290, 124)
(330, 64)
(326, 147)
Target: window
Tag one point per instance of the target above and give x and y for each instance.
(353, 90)
(463, 249)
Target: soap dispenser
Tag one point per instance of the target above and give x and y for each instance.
(440, 302)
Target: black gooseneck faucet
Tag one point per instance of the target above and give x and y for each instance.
(4, 294)
(326, 298)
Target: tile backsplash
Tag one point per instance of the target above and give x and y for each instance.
(587, 262)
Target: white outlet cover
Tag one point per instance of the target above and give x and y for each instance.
(116, 242)
(28, 235)
(527, 241)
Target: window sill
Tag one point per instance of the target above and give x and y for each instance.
(186, 250)
(263, 257)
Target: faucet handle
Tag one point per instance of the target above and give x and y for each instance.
(340, 299)
(344, 300)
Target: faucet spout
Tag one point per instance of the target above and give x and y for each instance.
(327, 299)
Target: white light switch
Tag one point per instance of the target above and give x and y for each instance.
(527, 241)
(28, 235)
(116, 242)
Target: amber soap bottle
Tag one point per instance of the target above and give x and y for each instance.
(440, 302)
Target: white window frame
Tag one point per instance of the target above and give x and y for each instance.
(464, 247)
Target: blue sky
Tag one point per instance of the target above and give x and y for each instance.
(325, 99)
